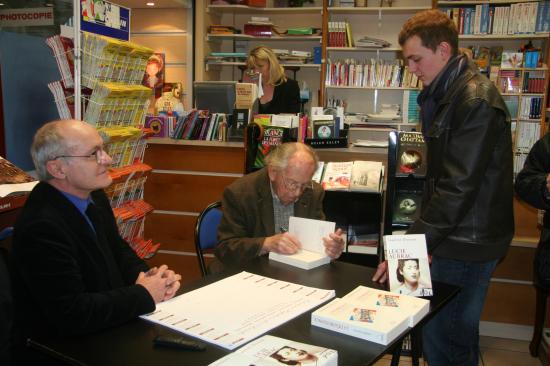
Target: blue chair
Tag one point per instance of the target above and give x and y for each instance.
(206, 232)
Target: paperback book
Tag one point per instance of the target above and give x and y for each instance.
(359, 175)
(379, 324)
(310, 233)
(272, 351)
(408, 265)
(411, 154)
(415, 307)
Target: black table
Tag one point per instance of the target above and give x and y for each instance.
(132, 343)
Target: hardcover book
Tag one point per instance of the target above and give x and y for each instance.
(270, 137)
(407, 206)
(379, 324)
(411, 154)
(272, 351)
(408, 265)
(158, 125)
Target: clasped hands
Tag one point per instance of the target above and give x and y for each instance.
(287, 243)
(161, 282)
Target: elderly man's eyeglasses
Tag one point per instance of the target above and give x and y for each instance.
(98, 155)
(292, 185)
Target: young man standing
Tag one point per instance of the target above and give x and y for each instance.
(467, 211)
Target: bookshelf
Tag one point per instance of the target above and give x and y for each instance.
(356, 91)
(237, 16)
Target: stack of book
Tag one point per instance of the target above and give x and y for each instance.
(374, 315)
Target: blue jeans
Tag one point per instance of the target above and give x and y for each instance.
(451, 337)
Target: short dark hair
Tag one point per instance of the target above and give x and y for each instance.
(432, 27)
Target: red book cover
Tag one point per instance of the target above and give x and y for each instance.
(258, 30)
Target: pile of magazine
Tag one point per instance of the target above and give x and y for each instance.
(369, 42)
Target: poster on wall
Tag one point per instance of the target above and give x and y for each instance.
(154, 73)
(105, 18)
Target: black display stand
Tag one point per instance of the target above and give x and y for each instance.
(357, 209)
(399, 182)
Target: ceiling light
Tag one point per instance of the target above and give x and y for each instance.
(150, 4)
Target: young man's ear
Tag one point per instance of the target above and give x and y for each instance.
(445, 50)
(56, 168)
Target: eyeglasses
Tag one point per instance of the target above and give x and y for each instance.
(99, 155)
(292, 185)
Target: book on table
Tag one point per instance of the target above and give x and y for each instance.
(310, 233)
(408, 264)
(372, 323)
(271, 351)
(371, 314)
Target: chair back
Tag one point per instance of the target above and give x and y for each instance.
(206, 232)
(6, 301)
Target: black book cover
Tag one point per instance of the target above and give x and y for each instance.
(411, 155)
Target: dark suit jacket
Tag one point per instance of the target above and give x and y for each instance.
(67, 280)
(286, 99)
(248, 216)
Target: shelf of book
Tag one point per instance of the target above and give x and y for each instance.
(475, 2)
(364, 49)
(243, 9)
(246, 37)
(376, 9)
(504, 36)
(312, 66)
(370, 87)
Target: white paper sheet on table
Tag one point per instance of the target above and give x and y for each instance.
(237, 309)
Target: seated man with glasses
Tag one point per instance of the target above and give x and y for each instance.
(257, 207)
(73, 272)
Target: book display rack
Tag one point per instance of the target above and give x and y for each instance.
(115, 102)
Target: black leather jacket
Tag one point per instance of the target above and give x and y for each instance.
(531, 181)
(467, 209)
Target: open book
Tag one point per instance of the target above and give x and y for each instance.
(310, 233)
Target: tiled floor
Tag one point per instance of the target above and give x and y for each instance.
(494, 352)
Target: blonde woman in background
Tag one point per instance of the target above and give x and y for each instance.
(280, 94)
